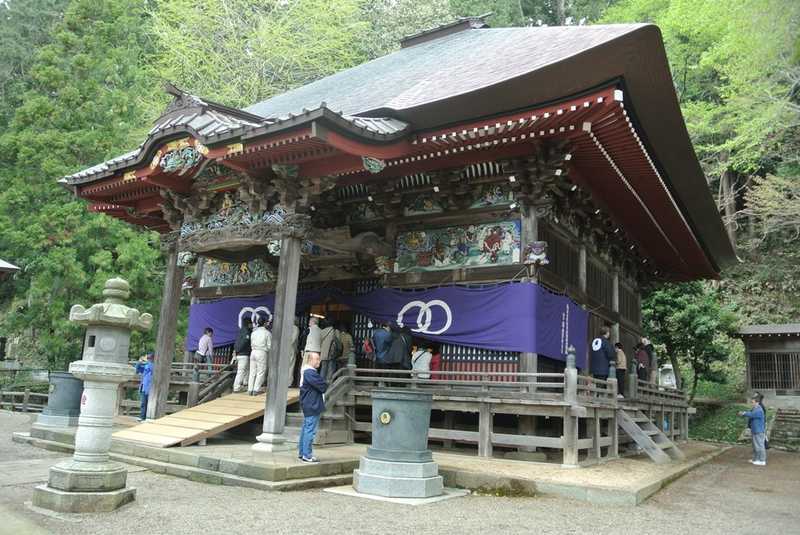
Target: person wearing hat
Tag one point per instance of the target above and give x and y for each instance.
(145, 368)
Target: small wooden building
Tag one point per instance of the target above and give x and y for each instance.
(436, 166)
(773, 362)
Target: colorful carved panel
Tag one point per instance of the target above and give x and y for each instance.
(492, 195)
(365, 211)
(217, 273)
(423, 203)
(461, 246)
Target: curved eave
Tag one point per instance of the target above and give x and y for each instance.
(638, 60)
(248, 134)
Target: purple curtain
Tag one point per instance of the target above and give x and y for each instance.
(506, 317)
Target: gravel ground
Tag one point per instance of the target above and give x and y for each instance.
(724, 496)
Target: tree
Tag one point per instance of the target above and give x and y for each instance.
(26, 26)
(692, 324)
(83, 104)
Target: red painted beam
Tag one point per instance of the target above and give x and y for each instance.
(359, 148)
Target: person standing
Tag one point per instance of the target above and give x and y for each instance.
(347, 344)
(260, 344)
(242, 354)
(313, 337)
(602, 354)
(421, 362)
(436, 362)
(204, 353)
(652, 360)
(757, 422)
(312, 402)
(642, 362)
(382, 340)
(329, 344)
(399, 354)
(145, 368)
(622, 369)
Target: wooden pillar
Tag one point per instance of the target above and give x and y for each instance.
(485, 425)
(198, 275)
(615, 304)
(582, 267)
(165, 339)
(272, 439)
(528, 363)
(569, 436)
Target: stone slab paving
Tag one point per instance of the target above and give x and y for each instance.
(447, 494)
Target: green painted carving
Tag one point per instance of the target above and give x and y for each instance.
(424, 203)
(180, 160)
(112, 312)
(373, 165)
(492, 195)
(459, 247)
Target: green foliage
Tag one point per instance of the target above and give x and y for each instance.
(692, 324)
(720, 424)
(737, 71)
(82, 105)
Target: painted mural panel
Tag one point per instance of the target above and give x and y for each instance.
(422, 204)
(218, 273)
(487, 244)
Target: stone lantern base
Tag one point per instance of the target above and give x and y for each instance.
(81, 487)
(394, 479)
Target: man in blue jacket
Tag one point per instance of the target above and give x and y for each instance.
(312, 401)
(758, 429)
(382, 339)
(145, 368)
(603, 353)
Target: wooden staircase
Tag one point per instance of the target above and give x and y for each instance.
(648, 436)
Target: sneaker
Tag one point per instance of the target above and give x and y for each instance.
(751, 461)
(309, 459)
(760, 463)
(620, 396)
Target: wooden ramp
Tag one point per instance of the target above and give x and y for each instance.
(201, 421)
(649, 437)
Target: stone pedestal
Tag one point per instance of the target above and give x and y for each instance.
(90, 482)
(399, 463)
(63, 402)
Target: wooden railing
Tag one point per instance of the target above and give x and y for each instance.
(548, 386)
(597, 390)
(25, 401)
(652, 393)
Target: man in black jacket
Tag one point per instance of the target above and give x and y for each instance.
(241, 352)
(603, 353)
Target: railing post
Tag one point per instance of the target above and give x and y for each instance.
(612, 381)
(633, 384)
(25, 399)
(571, 378)
(485, 430)
(569, 437)
(191, 395)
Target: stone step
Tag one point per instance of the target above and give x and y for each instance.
(204, 475)
(221, 478)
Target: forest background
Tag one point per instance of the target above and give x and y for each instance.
(81, 81)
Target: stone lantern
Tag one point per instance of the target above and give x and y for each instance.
(90, 482)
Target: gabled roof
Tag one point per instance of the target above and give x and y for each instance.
(439, 69)
(771, 329)
(7, 267)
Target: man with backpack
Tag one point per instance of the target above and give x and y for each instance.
(330, 350)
